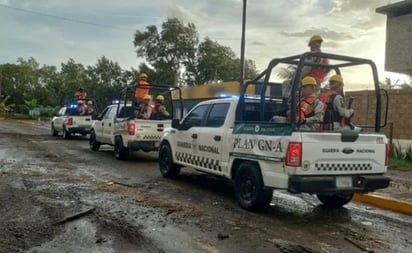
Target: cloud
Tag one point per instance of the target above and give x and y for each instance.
(186, 15)
(363, 13)
(257, 43)
(344, 6)
(324, 32)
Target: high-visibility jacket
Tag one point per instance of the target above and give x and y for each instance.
(80, 95)
(159, 112)
(145, 111)
(306, 107)
(319, 73)
(139, 93)
(331, 114)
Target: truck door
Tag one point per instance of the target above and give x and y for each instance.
(98, 125)
(107, 122)
(186, 141)
(210, 138)
(59, 121)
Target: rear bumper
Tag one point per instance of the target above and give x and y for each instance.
(143, 145)
(81, 130)
(327, 184)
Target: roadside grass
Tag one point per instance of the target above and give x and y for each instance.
(399, 164)
(22, 116)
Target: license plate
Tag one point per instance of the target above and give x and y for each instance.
(343, 182)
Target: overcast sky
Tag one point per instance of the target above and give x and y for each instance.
(274, 28)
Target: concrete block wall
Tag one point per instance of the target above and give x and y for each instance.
(400, 111)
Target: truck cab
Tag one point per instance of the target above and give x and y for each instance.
(250, 140)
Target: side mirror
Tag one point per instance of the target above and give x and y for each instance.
(176, 123)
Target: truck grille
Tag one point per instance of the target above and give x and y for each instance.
(343, 166)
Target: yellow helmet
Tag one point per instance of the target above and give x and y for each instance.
(336, 78)
(308, 81)
(147, 97)
(89, 102)
(315, 38)
(160, 97)
(143, 76)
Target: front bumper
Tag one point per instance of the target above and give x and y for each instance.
(327, 184)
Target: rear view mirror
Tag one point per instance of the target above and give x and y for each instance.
(176, 123)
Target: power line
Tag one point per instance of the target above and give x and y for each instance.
(65, 18)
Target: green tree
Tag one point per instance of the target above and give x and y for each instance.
(168, 51)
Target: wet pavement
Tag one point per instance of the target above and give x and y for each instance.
(44, 179)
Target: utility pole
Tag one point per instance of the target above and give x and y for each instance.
(242, 45)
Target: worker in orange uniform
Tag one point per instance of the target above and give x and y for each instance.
(139, 93)
(311, 108)
(159, 111)
(144, 111)
(336, 113)
(80, 94)
(318, 73)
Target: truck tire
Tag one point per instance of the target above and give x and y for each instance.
(167, 168)
(334, 201)
(250, 192)
(66, 135)
(93, 144)
(53, 130)
(120, 152)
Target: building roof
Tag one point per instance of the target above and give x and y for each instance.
(396, 9)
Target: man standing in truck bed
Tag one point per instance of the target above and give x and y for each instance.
(139, 93)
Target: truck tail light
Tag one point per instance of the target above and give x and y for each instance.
(387, 153)
(131, 127)
(294, 154)
(70, 121)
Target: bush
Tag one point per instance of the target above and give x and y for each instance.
(408, 153)
(395, 151)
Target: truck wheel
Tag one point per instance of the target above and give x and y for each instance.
(66, 135)
(335, 201)
(93, 144)
(120, 152)
(53, 131)
(167, 167)
(250, 192)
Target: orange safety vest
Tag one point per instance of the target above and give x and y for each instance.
(317, 72)
(306, 109)
(80, 95)
(139, 93)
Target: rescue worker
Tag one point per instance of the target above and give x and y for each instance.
(90, 108)
(80, 94)
(318, 73)
(311, 108)
(139, 93)
(159, 111)
(336, 114)
(144, 110)
(81, 107)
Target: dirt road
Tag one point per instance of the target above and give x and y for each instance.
(45, 179)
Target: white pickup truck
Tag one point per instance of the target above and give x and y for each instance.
(236, 139)
(118, 126)
(69, 122)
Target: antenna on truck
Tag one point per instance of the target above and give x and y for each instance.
(242, 46)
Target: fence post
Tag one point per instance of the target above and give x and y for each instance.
(391, 134)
